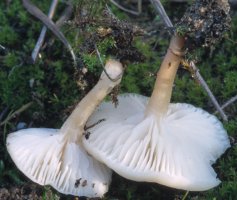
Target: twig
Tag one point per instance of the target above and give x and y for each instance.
(125, 9)
(139, 6)
(63, 18)
(32, 9)
(66, 14)
(207, 89)
(2, 47)
(96, 123)
(185, 195)
(102, 64)
(232, 100)
(228, 103)
(40, 41)
(157, 4)
(17, 112)
(203, 83)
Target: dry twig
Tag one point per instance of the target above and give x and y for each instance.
(127, 10)
(40, 41)
(102, 64)
(2, 47)
(229, 102)
(32, 9)
(207, 89)
(63, 18)
(157, 4)
(66, 15)
(139, 6)
(17, 112)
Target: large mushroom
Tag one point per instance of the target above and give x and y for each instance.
(153, 140)
(56, 157)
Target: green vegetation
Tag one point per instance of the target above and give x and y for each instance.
(54, 86)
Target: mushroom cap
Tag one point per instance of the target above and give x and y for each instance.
(44, 157)
(177, 150)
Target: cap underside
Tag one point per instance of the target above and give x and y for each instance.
(43, 156)
(176, 150)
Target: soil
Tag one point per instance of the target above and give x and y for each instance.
(26, 191)
(32, 191)
(205, 21)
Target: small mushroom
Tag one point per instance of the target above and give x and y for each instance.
(57, 157)
(153, 140)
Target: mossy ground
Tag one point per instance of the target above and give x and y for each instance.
(54, 85)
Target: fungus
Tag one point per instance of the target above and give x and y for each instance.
(176, 149)
(153, 140)
(57, 157)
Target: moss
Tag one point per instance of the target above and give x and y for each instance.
(8, 35)
(10, 60)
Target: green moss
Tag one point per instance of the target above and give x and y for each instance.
(231, 126)
(8, 35)
(230, 84)
(181, 30)
(92, 62)
(10, 60)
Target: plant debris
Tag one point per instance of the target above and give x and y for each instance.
(26, 191)
(107, 25)
(205, 21)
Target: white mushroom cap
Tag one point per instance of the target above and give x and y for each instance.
(57, 157)
(42, 155)
(176, 150)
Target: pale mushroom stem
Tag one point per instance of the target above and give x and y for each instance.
(87, 106)
(78, 118)
(161, 95)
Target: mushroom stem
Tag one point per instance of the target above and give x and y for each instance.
(78, 118)
(161, 95)
(87, 105)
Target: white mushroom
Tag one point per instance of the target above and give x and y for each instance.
(56, 157)
(155, 141)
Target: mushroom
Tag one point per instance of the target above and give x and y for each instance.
(56, 157)
(153, 140)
